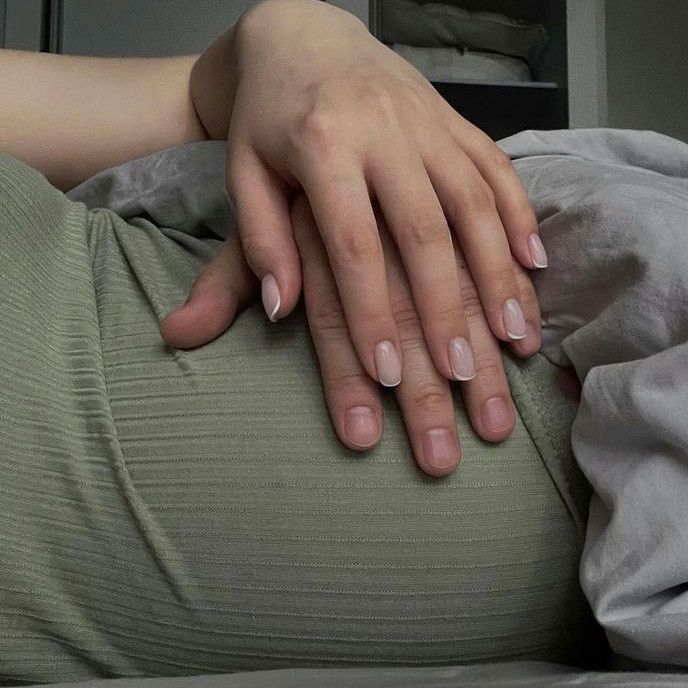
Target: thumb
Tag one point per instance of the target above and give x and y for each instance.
(264, 225)
(220, 291)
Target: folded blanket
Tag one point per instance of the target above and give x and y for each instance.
(613, 212)
(438, 24)
(452, 64)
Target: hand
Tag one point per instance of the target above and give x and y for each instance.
(219, 293)
(322, 106)
(224, 289)
(424, 395)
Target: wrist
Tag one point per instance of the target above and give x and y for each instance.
(213, 84)
(216, 73)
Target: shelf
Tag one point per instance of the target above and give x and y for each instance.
(516, 84)
(502, 111)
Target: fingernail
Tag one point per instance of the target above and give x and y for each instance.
(461, 358)
(496, 414)
(440, 448)
(514, 322)
(387, 364)
(537, 251)
(360, 425)
(271, 296)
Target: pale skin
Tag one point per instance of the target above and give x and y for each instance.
(352, 179)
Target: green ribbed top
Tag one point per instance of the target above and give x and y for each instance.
(170, 512)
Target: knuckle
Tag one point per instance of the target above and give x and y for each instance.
(356, 246)
(476, 197)
(502, 281)
(327, 316)
(472, 306)
(315, 128)
(345, 382)
(425, 227)
(415, 95)
(497, 158)
(448, 313)
(378, 101)
(488, 366)
(406, 317)
(429, 398)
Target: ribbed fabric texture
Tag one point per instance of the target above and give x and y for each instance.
(169, 512)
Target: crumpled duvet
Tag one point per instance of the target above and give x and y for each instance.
(612, 206)
(613, 214)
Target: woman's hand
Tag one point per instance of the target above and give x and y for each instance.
(223, 289)
(424, 395)
(323, 106)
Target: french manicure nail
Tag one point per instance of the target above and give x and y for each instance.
(514, 322)
(537, 251)
(496, 415)
(440, 448)
(360, 425)
(461, 358)
(271, 296)
(387, 364)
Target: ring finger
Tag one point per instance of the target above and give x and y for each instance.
(470, 206)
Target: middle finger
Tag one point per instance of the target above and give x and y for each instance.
(418, 223)
(424, 395)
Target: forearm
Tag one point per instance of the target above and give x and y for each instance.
(71, 116)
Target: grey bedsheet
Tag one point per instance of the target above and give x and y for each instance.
(505, 675)
(613, 212)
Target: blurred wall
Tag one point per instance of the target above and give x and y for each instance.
(647, 65)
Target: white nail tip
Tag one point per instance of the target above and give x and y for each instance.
(271, 296)
(275, 309)
(537, 251)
